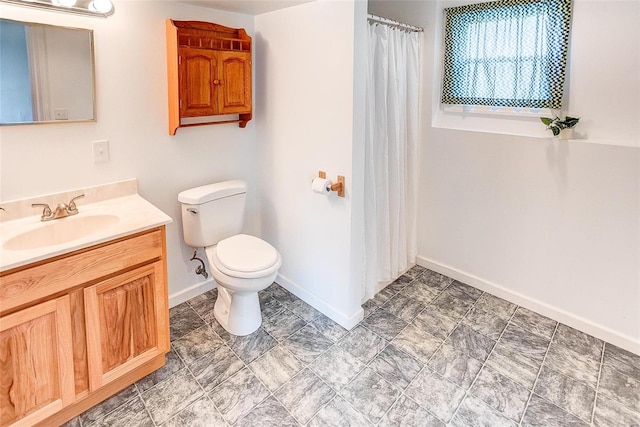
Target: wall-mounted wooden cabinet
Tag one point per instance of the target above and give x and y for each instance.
(79, 327)
(209, 74)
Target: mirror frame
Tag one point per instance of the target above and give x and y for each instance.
(93, 77)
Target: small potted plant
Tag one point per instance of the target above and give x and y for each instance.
(563, 127)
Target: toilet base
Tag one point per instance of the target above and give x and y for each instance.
(238, 312)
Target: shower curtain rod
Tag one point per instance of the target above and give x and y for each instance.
(392, 23)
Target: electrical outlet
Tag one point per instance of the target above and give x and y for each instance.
(61, 114)
(100, 151)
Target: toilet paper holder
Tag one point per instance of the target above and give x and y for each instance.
(338, 186)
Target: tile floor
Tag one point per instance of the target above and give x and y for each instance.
(430, 352)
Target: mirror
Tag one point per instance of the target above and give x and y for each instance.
(46, 74)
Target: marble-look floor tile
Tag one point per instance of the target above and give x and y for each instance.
(534, 322)
(338, 413)
(541, 413)
(611, 413)
(100, 410)
(620, 387)
(283, 324)
(384, 324)
(363, 344)
(336, 367)
(238, 395)
(220, 331)
(196, 344)
(304, 395)
(269, 413)
(417, 343)
(524, 342)
(502, 394)
(514, 365)
(566, 393)
(132, 413)
(369, 307)
(396, 367)
(473, 412)
(406, 412)
(415, 271)
(434, 280)
(485, 323)
(276, 367)
(463, 291)
(283, 296)
(400, 283)
(370, 394)
(622, 360)
(307, 344)
(567, 361)
(329, 328)
(216, 367)
(457, 367)
(499, 307)
(269, 305)
(583, 344)
(435, 323)
(203, 304)
(436, 394)
(182, 320)
(201, 413)
(384, 295)
(304, 310)
(250, 347)
(172, 364)
(450, 306)
(472, 343)
(420, 292)
(404, 307)
(74, 422)
(169, 397)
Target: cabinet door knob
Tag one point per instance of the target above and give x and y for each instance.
(216, 82)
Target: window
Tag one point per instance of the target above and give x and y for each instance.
(509, 53)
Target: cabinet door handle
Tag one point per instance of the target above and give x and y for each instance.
(217, 82)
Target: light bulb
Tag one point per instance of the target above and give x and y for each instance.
(101, 6)
(64, 3)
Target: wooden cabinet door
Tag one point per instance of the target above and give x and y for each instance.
(127, 323)
(234, 76)
(198, 76)
(36, 362)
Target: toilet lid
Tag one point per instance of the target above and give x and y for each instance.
(245, 253)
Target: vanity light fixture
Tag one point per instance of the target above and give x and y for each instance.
(98, 8)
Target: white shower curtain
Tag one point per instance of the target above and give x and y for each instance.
(391, 154)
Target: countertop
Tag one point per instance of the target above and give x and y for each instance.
(134, 214)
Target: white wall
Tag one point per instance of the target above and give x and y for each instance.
(305, 123)
(132, 114)
(551, 225)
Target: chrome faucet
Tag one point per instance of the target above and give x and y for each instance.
(62, 210)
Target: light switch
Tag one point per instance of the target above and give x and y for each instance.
(100, 151)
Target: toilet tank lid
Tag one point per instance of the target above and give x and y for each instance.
(206, 193)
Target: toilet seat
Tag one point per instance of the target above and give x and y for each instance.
(243, 256)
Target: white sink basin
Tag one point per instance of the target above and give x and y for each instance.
(60, 231)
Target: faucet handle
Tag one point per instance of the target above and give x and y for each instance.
(46, 212)
(71, 207)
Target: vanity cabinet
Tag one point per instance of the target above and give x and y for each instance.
(209, 74)
(79, 327)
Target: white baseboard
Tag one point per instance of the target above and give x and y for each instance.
(190, 292)
(538, 306)
(347, 321)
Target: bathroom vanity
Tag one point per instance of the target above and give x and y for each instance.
(81, 319)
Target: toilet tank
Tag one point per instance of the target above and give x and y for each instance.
(213, 212)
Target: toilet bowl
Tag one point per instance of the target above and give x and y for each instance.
(242, 265)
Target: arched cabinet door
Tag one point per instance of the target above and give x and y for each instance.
(198, 75)
(234, 83)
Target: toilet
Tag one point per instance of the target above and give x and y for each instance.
(241, 265)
